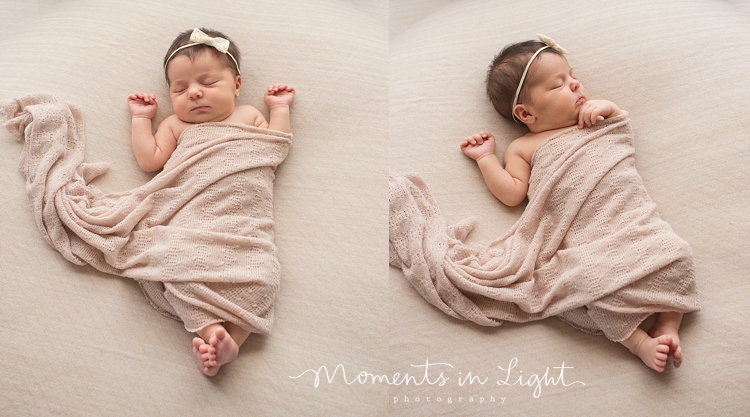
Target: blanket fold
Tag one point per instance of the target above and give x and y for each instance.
(589, 248)
(198, 237)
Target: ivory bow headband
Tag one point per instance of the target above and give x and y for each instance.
(200, 38)
(549, 43)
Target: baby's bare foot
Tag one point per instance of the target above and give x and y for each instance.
(225, 347)
(675, 350)
(205, 356)
(654, 351)
(220, 349)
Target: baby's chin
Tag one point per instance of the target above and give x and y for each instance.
(571, 120)
(201, 118)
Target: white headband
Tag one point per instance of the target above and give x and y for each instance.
(549, 43)
(200, 38)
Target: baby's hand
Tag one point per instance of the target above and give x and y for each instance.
(142, 105)
(478, 145)
(594, 111)
(279, 95)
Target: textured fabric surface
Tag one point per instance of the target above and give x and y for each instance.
(204, 223)
(589, 240)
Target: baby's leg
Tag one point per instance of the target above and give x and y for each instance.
(652, 351)
(222, 347)
(669, 323)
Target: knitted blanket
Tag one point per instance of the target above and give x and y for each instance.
(198, 237)
(589, 247)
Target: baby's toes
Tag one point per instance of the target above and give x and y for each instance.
(678, 357)
(664, 339)
(198, 342)
(204, 348)
(661, 363)
(209, 360)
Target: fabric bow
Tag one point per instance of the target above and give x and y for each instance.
(552, 44)
(221, 44)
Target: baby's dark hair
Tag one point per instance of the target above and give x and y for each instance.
(193, 51)
(505, 73)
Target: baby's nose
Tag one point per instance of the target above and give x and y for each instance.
(195, 91)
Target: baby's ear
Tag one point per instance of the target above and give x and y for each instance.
(521, 112)
(237, 85)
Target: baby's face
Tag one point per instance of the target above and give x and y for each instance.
(202, 89)
(557, 96)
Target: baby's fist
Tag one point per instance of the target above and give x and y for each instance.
(142, 105)
(278, 95)
(478, 145)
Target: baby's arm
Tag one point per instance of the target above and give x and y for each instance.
(508, 184)
(151, 150)
(593, 111)
(278, 98)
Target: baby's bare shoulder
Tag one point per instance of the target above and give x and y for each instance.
(247, 110)
(524, 146)
(173, 126)
(246, 114)
(527, 144)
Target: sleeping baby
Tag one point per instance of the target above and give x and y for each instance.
(199, 236)
(202, 68)
(589, 248)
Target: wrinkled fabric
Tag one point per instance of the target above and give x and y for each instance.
(590, 246)
(198, 237)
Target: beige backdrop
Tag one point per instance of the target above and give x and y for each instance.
(380, 87)
(680, 69)
(78, 342)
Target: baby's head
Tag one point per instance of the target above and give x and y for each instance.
(230, 59)
(531, 83)
(202, 68)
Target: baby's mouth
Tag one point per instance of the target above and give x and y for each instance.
(581, 100)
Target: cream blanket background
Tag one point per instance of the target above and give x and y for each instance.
(677, 66)
(86, 343)
(589, 247)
